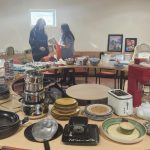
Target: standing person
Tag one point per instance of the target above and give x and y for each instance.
(67, 42)
(67, 49)
(39, 40)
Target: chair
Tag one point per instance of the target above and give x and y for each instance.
(106, 73)
(81, 71)
(50, 75)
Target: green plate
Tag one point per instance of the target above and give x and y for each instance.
(111, 129)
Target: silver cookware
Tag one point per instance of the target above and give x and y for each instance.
(33, 76)
(34, 97)
(34, 109)
(44, 130)
(33, 87)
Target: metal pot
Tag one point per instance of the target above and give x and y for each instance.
(33, 76)
(9, 123)
(33, 87)
(35, 109)
(34, 97)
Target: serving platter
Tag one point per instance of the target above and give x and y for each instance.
(110, 128)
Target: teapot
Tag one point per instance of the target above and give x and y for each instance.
(143, 111)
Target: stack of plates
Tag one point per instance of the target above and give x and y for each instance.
(98, 111)
(64, 108)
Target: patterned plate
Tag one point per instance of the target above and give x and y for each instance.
(111, 129)
(98, 110)
(98, 118)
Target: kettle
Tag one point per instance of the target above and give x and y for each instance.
(143, 111)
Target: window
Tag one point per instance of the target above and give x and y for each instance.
(48, 15)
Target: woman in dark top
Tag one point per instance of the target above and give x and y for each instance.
(67, 51)
(38, 40)
(67, 42)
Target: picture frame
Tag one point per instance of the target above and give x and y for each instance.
(130, 44)
(115, 42)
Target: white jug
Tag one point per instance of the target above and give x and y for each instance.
(143, 111)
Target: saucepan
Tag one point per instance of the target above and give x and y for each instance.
(9, 123)
(44, 130)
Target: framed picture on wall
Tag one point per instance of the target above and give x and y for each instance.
(115, 42)
(130, 44)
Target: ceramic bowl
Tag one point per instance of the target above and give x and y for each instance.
(70, 61)
(118, 65)
(126, 127)
(94, 61)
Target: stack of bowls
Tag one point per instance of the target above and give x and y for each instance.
(98, 111)
(64, 108)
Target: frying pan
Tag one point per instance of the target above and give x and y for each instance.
(44, 130)
(9, 123)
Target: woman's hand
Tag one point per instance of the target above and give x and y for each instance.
(42, 48)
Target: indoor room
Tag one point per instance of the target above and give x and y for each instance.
(74, 74)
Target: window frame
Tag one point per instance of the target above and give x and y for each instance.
(42, 11)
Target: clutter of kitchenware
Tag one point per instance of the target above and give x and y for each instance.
(77, 130)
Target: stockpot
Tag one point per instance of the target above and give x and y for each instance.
(33, 76)
(34, 97)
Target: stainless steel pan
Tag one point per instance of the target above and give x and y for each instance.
(44, 130)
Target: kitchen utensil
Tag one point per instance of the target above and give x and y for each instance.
(111, 128)
(33, 87)
(34, 109)
(44, 130)
(9, 123)
(33, 76)
(34, 97)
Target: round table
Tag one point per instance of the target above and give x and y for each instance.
(92, 93)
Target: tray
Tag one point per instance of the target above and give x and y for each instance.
(90, 137)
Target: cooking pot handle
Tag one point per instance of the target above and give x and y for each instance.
(26, 119)
(20, 99)
(46, 145)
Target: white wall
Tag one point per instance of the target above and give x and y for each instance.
(90, 20)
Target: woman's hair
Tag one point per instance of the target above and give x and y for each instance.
(40, 22)
(66, 31)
